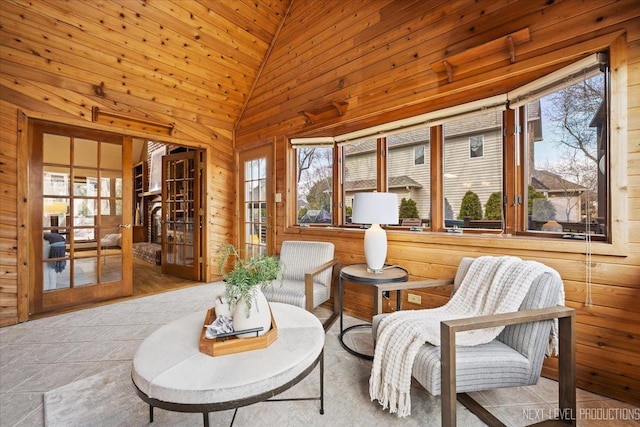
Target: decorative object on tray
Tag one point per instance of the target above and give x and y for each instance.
(243, 291)
(229, 343)
(222, 326)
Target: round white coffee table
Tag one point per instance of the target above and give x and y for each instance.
(170, 372)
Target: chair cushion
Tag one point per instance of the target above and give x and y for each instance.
(480, 367)
(292, 292)
(111, 239)
(300, 257)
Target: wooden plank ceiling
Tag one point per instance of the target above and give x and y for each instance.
(188, 63)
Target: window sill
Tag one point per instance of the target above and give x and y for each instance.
(478, 240)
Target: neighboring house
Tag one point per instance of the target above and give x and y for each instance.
(473, 161)
(564, 195)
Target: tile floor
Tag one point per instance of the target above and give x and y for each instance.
(44, 354)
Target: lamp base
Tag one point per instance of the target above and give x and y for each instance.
(375, 248)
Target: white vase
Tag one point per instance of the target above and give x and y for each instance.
(259, 315)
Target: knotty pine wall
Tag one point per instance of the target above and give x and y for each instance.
(142, 59)
(376, 57)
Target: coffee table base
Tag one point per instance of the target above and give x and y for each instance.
(205, 408)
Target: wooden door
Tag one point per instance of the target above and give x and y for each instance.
(256, 216)
(80, 216)
(182, 215)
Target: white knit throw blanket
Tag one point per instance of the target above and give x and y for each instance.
(492, 285)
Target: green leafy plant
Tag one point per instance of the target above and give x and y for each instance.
(245, 276)
(470, 206)
(408, 208)
(493, 208)
(540, 208)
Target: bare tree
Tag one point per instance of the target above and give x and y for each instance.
(314, 166)
(571, 110)
(576, 177)
(305, 160)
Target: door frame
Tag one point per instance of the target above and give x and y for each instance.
(265, 150)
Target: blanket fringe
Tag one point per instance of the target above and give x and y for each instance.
(390, 397)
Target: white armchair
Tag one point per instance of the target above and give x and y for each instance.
(309, 269)
(111, 240)
(512, 359)
(49, 280)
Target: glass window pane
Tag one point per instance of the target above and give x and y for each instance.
(314, 166)
(54, 212)
(56, 149)
(85, 152)
(408, 165)
(55, 181)
(473, 172)
(85, 183)
(110, 156)
(360, 171)
(85, 271)
(567, 161)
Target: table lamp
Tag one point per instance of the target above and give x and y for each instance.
(375, 209)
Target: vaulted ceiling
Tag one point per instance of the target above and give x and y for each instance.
(192, 62)
(215, 69)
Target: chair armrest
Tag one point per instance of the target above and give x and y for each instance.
(567, 353)
(308, 281)
(504, 319)
(401, 286)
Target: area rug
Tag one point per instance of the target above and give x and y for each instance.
(86, 402)
(109, 399)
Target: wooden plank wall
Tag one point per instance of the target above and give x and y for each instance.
(186, 64)
(8, 215)
(376, 57)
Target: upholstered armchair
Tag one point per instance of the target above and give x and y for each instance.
(111, 240)
(512, 359)
(48, 271)
(309, 270)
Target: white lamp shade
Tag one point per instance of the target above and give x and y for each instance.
(375, 208)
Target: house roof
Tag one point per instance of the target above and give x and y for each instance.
(370, 184)
(552, 183)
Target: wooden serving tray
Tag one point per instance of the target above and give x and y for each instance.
(233, 344)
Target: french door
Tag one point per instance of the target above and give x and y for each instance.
(80, 216)
(256, 215)
(182, 215)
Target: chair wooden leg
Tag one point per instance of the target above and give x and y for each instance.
(448, 376)
(479, 411)
(567, 370)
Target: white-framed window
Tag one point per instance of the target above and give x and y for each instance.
(476, 146)
(418, 155)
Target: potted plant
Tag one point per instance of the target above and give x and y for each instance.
(245, 279)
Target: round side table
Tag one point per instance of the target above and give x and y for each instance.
(358, 273)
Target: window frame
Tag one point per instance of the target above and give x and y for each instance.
(515, 226)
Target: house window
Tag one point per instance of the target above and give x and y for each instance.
(314, 168)
(418, 155)
(476, 146)
(545, 174)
